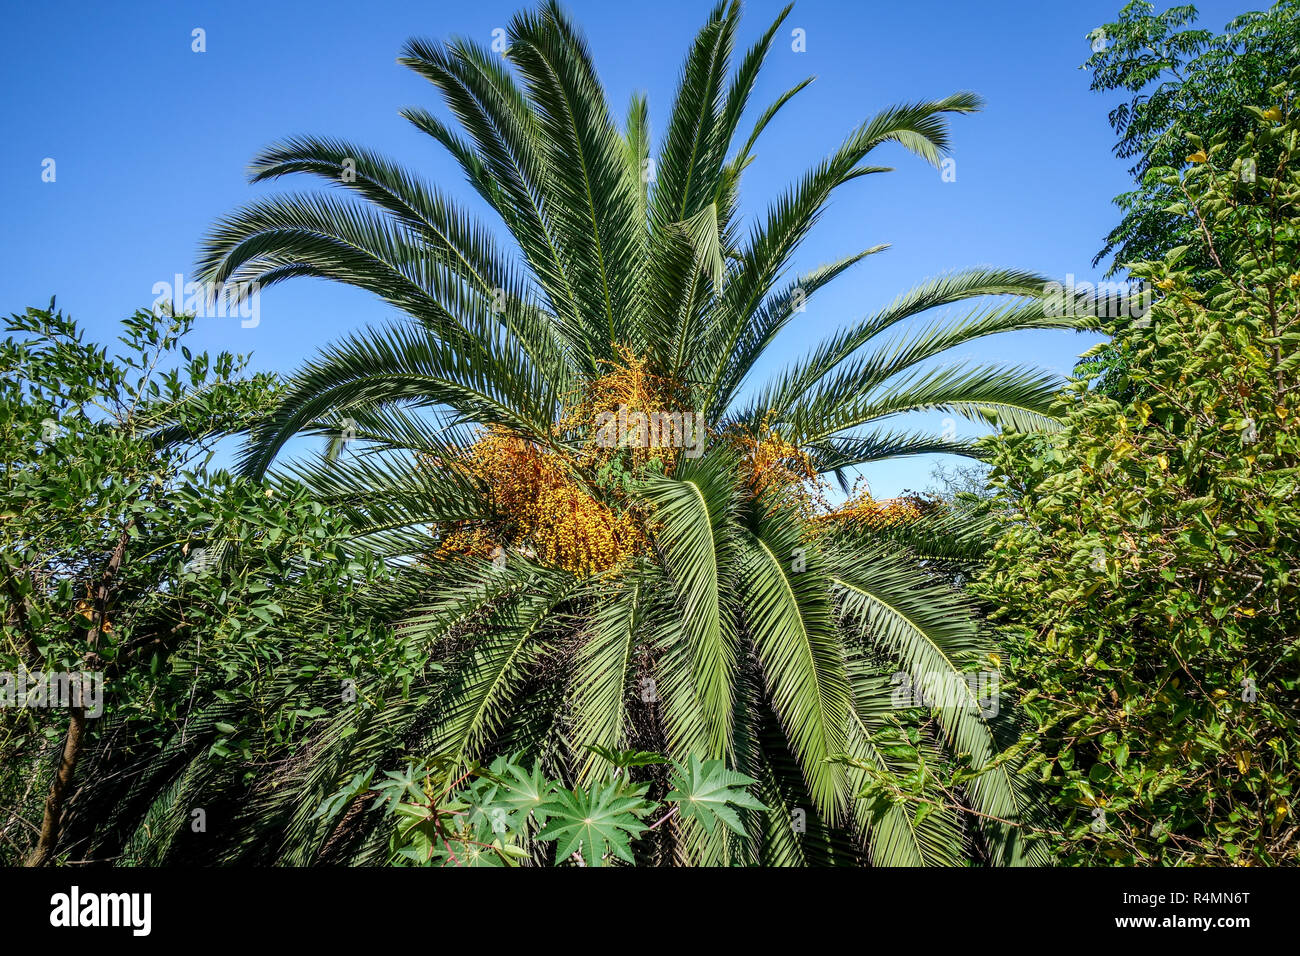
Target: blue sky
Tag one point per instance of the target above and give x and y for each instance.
(151, 140)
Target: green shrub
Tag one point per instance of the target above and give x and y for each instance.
(1149, 566)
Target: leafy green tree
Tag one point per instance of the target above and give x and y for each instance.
(1183, 80)
(211, 608)
(731, 626)
(1149, 571)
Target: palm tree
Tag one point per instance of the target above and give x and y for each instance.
(732, 623)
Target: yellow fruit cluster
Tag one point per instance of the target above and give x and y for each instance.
(866, 511)
(772, 465)
(544, 503)
(542, 508)
(630, 385)
(541, 504)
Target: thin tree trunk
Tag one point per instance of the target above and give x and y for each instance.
(51, 824)
(49, 839)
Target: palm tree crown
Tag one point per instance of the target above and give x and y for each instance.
(689, 600)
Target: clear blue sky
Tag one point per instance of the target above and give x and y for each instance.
(151, 141)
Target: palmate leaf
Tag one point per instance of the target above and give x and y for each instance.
(483, 834)
(521, 791)
(466, 855)
(709, 792)
(484, 813)
(400, 786)
(504, 797)
(595, 824)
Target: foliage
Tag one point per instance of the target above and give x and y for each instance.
(1149, 570)
(961, 486)
(640, 597)
(1182, 81)
(506, 813)
(215, 609)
